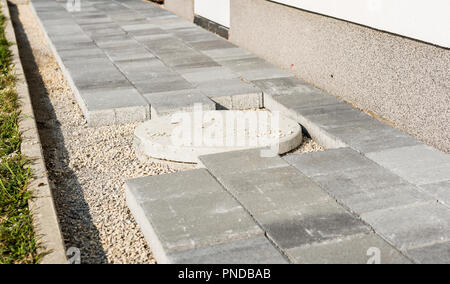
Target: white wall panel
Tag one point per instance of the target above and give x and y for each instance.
(424, 20)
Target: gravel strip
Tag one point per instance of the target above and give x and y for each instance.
(308, 145)
(87, 166)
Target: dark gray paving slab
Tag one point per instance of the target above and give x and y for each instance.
(360, 249)
(256, 250)
(187, 210)
(311, 224)
(168, 103)
(412, 226)
(417, 164)
(434, 254)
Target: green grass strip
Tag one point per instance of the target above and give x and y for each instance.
(17, 239)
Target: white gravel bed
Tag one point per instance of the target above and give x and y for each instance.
(87, 166)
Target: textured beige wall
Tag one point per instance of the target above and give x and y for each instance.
(183, 8)
(402, 80)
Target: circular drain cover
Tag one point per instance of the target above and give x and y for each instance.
(183, 137)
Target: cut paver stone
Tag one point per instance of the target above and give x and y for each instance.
(359, 249)
(183, 137)
(240, 162)
(185, 211)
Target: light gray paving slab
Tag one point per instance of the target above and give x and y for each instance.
(434, 254)
(168, 103)
(359, 183)
(191, 35)
(284, 86)
(187, 210)
(128, 53)
(199, 75)
(143, 69)
(254, 69)
(265, 190)
(172, 82)
(372, 136)
(338, 117)
(225, 54)
(138, 27)
(81, 54)
(187, 59)
(440, 191)
(111, 98)
(165, 45)
(417, 164)
(114, 40)
(264, 73)
(99, 26)
(359, 249)
(212, 44)
(412, 226)
(369, 200)
(350, 182)
(100, 33)
(240, 162)
(232, 93)
(256, 250)
(299, 100)
(328, 161)
(114, 105)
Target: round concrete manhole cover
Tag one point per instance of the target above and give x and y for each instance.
(183, 137)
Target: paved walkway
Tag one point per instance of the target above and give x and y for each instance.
(375, 190)
(124, 58)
